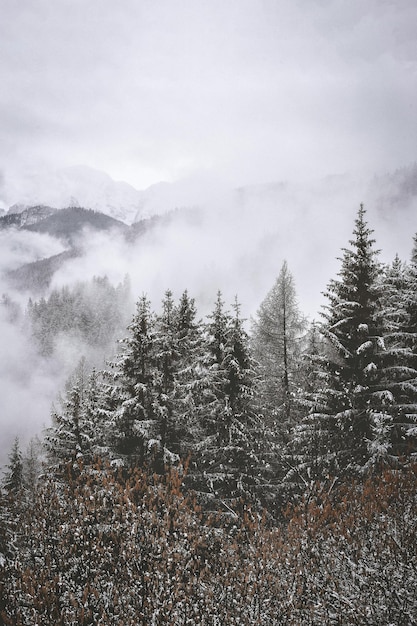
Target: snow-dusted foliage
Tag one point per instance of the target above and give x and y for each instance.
(400, 355)
(107, 548)
(228, 459)
(155, 386)
(77, 427)
(277, 337)
(148, 508)
(89, 313)
(13, 477)
(349, 422)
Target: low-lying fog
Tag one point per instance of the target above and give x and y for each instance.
(236, 244)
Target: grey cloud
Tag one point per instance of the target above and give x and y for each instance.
(256, 90)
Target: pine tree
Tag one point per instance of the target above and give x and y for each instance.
(13, 478)
(406, 433)
(351, 412)
(309, 443)
(76, 430)
(229, 460)
(400, 356)
(189, 377)
(277, 336)
(8, 548)
(32, 465)
(167, 358)
(155, 385)
(131, 394)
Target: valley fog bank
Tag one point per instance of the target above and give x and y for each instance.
(235, 243)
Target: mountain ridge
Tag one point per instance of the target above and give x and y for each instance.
(65, 224)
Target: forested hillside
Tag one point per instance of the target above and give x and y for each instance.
(217, 471)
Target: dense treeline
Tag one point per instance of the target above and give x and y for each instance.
(91, 313)
(211, 475)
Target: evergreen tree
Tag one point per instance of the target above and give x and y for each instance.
(179, 367)
(308, 456)
(406, 432)
(400, 356)
(32, 465)
(12, 505)
(277, 337)
(132, 396)
(76, 430)
(156, 378)
(167, 358)
(351, 412)
(189, 377)
(229, 460)
(13, 478)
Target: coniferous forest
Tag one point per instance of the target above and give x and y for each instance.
(221, 471)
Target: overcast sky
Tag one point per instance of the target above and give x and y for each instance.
(250, 90)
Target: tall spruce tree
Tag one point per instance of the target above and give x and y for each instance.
(13, 479)
(131, 391)
(167, 358)
(400, 356)
(228, 457)
(189, 377)
(76, 430)
(408, 430)
(351, 411)
(155, 385)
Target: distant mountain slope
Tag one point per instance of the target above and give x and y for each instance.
(77, 186)
(26, 217)
(65, 224)
(37, 276)
(82, 186)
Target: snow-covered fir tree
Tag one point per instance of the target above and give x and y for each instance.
(77, 428)
(131, 390)
(229, 459)
(13, 477)
(351, 411)
(167, 359)
(409, 427)
(400, 356)
(154, 392)
(189, 377)
(32, 464)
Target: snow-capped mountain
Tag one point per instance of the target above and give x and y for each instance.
(77, 186)
(82, 186)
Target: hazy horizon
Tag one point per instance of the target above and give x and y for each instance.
(211, 96)
(248, 91)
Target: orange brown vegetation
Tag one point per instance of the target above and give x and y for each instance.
(105, 548)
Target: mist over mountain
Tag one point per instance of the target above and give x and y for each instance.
(211, 232)
(77, 186)
(86, 187)
(234, 240)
